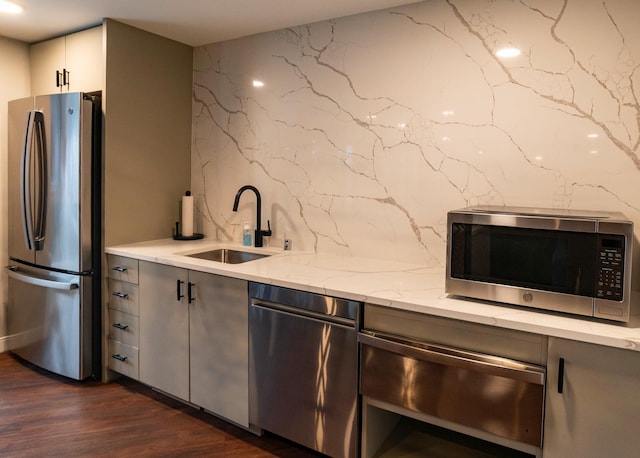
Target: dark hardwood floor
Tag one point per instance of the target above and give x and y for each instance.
(44, 415)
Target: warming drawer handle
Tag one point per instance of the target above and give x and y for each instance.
(120, 295)
(448, 356)
(119, 357)
(122, 327)
(51, 284)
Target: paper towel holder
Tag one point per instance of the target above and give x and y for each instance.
(177, 235)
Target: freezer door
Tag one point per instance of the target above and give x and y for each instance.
(49, 320)
(50, 188)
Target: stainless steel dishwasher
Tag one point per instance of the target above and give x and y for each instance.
(303, 368)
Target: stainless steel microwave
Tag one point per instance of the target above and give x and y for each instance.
(571, 261)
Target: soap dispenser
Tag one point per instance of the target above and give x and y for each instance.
(246, 235)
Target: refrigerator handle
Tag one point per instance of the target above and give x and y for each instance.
(33, 164)
(41, 182)
(65, 286)
(25, 180)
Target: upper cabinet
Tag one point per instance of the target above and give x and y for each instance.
(68, 64)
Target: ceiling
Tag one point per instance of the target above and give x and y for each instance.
(194, 22)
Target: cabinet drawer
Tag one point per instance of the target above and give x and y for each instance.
(123, 359)
(122, 268)
(123, 328)
(123, 296)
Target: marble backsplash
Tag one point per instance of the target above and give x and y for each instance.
(368, 129)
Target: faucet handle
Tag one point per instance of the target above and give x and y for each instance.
(268, 231)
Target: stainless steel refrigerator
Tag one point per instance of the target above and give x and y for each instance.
(54, 169)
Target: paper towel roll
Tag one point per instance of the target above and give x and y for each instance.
(187, 215)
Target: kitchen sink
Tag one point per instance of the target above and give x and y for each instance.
(228, 256)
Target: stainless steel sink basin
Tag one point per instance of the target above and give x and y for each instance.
(228, 256)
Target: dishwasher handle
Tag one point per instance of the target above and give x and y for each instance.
(448, 356)
(303, 313)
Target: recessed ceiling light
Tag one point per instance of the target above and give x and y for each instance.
(10, 7)
(257, 83)
(508, 52)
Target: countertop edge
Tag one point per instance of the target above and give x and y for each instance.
(385, 283)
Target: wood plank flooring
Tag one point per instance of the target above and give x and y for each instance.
(43, 415)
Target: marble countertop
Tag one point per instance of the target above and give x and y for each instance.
(393, 284)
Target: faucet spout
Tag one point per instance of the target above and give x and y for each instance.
(259, 233)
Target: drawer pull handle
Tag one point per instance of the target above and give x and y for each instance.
(119, 357)
(119, 268)
(120, 295)
(120, 326)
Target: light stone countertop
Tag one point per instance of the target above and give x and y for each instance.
(393, 284)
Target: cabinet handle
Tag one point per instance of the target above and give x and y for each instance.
(179, 294)
(119, 357)
(65, 78)
(119, 269)
(190, 298)
(560, 375)
(122, 327)
(120, 295)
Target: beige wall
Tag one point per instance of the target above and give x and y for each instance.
(147, 144)
(15, 81)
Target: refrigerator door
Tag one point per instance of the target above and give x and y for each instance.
(20, 246)
(49, 322)
(50, 188)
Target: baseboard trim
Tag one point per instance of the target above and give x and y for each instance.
(4, 344)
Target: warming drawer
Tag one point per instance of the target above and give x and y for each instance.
(496, 395)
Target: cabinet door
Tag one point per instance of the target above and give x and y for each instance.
(219, 346)
(45, 58)
(84, 60)
(79, 53)
(598, 411)
(164, 329)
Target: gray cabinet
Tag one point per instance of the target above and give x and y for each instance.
(78, 54)
(122, 328)
(194, 338)
(219, 346)
(598, 411)
(164, 329)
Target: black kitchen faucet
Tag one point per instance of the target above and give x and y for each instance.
(259, 233)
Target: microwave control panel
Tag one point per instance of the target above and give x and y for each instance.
(610, 267)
